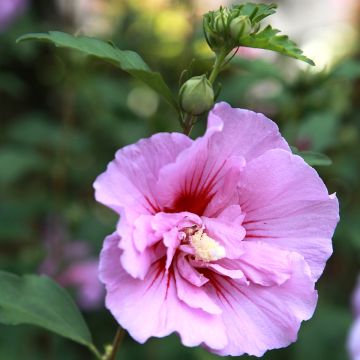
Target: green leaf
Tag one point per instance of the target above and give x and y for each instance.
(269, 39)
(312, 158)
(37, 300)
(129, 61)
(256, 12)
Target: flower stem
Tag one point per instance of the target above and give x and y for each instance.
(219, 61)
(189, 120)
(116, 344)
(188, 123)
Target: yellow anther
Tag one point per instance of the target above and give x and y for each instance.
(206, 248)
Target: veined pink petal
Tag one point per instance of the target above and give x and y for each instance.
(144, 235)
(189, 273)
(110, 262)
(222, 267)
(151, 307)
(287, 205)
(264, 264)
(130, 179)
(171, 241)
(259, 318)
(245, 133)
(136, 263)
(198, 177)
(194, 296)
(228, 230)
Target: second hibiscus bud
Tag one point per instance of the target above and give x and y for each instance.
(196, 95)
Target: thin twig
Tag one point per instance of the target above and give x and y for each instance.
(116, 343)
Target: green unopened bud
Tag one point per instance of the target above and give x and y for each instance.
(196, 95)
(221, 20)
(214, 24)
(239, 27)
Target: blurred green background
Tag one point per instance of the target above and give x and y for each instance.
(62, 117)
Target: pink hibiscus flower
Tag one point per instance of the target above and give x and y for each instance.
(220, 239)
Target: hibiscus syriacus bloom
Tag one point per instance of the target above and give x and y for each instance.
(354, 337)
(220, 240)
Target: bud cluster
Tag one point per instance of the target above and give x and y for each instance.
(225, 28)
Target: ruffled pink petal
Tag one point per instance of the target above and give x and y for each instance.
(223, 267)
(163, 313)
(188, 272)
(194, 296)
(171, 241)
(264, 264)
(223, 195)
(245, 133)
(110, 262)
(135, 262)
(163, 222)
(199, 176)
(130, 179)
(260, 318)
(193, 189)
(232, 214)
(227, 229)
(144, 235)
(287, 205)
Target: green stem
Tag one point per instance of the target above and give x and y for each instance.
(188, 123)
(116, 344)
(189, 120)
(219, 61)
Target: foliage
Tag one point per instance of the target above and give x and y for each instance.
(128, 61)
(270, 39)
(219, 31)
(39, 301)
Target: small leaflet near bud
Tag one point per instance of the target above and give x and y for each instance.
(196, 95)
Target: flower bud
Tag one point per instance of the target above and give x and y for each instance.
(196, 95)
(214, 24)
(221, 20)
(240, 26)
(225, 27)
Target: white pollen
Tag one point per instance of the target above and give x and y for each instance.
(206, 248)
